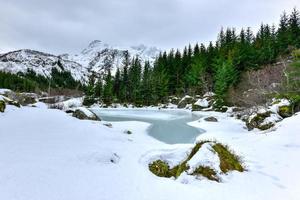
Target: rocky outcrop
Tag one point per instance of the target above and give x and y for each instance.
(8, 101)
(18, 99)
(85, 114)
(218, 160)
(185, 101)
(203, 103)
(260, 121)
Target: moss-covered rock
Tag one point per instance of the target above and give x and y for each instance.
(178, 169)
(228, 160)
(285, 111)
(2, 106)
(257, 121)
(207, 172)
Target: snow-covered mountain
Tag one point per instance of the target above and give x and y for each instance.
(94, 58)
(39, 62)
(98, 55)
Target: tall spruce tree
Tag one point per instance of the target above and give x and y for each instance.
(108, 89)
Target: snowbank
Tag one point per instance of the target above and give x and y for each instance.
(46, 154)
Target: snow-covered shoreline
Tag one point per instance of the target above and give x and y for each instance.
(46, 154)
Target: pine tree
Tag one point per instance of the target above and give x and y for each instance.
(146, 86)
(294, 28)
(283, 34)
(196, 50)
(108, 89)
(135, 72)
(98, 90)
(117, 84)
(124, 93)
(226, 76)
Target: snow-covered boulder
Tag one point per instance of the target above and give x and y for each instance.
(207, 159)
(85, 114)
(200, 104)
(204, 102)
(69, 104)
(209, 94)
(264, 119)
(185, 101)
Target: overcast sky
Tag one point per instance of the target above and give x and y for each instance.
(60, 26)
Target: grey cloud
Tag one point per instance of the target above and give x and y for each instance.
(60, 26)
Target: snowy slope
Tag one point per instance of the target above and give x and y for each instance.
(51, 155)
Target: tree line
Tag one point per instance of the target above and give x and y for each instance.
(30, 81)
(199, 68)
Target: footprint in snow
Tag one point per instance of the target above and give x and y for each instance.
(101, 158)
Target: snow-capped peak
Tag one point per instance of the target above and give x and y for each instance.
(98, 56)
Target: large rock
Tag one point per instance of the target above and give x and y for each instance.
(2, 105)
(259, 121)
(85, 114)
(22, 98)
(201, 104)
(185, 101)
(8, 101)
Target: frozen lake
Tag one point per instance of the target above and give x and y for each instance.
(168, 126)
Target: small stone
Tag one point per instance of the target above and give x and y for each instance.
(211, 119)
(128, 132)
(108, 125)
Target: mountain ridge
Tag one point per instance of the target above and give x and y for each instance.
(95, 58)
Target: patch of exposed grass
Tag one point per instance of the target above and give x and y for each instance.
(183, 166)
(160, 168)
(228, 160)
(207, 172)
